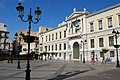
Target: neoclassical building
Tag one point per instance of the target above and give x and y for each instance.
(82, 36)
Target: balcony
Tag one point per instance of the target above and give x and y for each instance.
(74, 35)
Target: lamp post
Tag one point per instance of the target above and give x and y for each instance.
(8, 52)
(83, 50)
(20, 10)
(116, 33)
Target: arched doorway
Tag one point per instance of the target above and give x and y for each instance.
(76, 50)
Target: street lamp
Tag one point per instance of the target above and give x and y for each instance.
(19, 49)
(8, 52)
(83, 50)
(20, 10)
(116, 34)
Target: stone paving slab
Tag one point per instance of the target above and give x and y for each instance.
(54, 70)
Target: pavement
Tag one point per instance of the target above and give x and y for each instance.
(59, 70)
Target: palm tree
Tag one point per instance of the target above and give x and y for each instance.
(104, 50)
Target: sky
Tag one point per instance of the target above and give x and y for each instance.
(53, 12)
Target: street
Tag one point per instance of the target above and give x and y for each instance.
(59, 70)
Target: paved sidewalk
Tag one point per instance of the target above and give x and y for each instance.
(58, 70)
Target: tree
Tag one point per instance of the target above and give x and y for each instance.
(104, 50)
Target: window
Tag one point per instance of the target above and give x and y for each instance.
(56, 35)
(77, 29)
(111, 41)
(109, 22)
(42, 39)
(101, 42)
(52, 47)
(64, 46)
(59, 54)
(64, 34)
(100, 24)
(64, 55)
(55, 54)
(59, 46)
(49, 48)
(52, 36)
(119, 20)
(112, 54)
(45, 48)
(49, 37)
(92, 43)
(91, 27)
(56, 47)
(60, 35)
(46, 38)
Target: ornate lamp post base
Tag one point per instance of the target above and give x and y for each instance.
(27, 73)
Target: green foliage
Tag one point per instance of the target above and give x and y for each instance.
(32, 38)
(104, 50)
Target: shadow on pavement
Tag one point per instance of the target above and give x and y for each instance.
(68, 74)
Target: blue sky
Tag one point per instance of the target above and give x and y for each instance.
(53, 11)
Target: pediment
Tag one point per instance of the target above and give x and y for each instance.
(74, 15)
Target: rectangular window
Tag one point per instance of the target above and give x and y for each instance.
(56, 35)
(56, 55)
(101, 42)
(77, 29)
(92, 43)
(64, 46)
(59, 46)
(111, 41)
(49, 48)
(109, 22)
(52, 36)
(49, 37)
(100, 24)
(56, 47)
(59, 54)
(60, 35)
(46, 38)
(91, 27)
(64, 56)
(52, 47)
(64, 34)
(45, 48)
(112, 54)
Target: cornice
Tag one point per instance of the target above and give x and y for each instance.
(104, 10)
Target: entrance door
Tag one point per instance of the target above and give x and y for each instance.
(76, 50)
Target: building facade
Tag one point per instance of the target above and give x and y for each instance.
(4, 46)
(82, 36)
(33, 46)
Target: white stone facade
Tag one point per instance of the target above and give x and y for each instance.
(81, 34)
